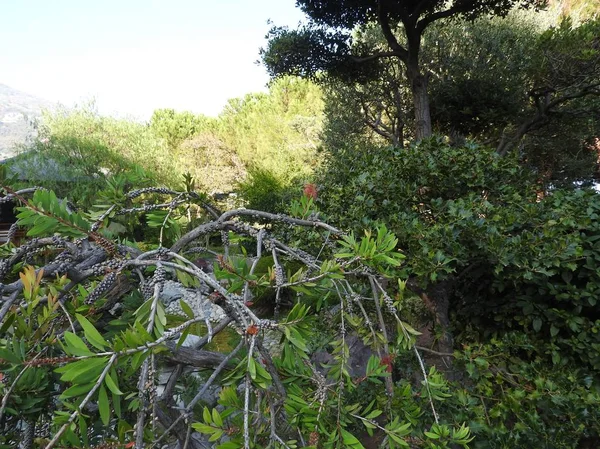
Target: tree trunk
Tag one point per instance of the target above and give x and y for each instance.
(441, 299)
(436, 298)
(419, 83)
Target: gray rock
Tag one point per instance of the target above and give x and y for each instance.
(359, 356)
(196, 298)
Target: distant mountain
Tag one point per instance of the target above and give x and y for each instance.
(17, 110)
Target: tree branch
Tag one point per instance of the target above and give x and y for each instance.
(397, 49)
(429, 19)
(543, 106)
(379, 55)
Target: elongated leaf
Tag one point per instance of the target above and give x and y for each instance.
(217, 418)
(350, 440)
(112, 384)
(9, 356)
(186, 309)
(75, 345)
(83, 430)
(252, 368)
(82, 371)
(103, 405)
(91, 334)
(77, 390)
(206, 416)
(117, 404)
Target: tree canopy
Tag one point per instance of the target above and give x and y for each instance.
(327, 43)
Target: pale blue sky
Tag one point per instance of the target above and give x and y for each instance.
(134, 56)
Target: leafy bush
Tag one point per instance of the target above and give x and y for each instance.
(77, 151)
(434, 196)
(176, 127)
(84, 335)
(263, 190)
(216, 167)
(83, 138)
(277, 131)
(509, 269)
(545, 281)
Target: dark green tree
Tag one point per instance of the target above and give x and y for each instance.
(327, 44)
(514, 83)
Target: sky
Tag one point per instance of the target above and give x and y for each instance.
(134, 56)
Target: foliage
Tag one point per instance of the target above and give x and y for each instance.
(86, 370)
(328, 45)
(545, 281)
(371, 113)
(479, 83)
(525, 401)
(478, 235)
(565, 86)
(95, 144)
(275, 132)
(499, 250)
(263, 190)
(432, 195)
(488, 81)
(175, 127)
(577, 9)
(319, 50)
(215, 166)
(278, 131)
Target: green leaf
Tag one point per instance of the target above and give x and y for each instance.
(82, 371)
(398, 440)
(252, 368)
(75, 345)
(77, 390)
(432, 435)
(230, 445)
(374, 414)
(83, 430)
(215, 436)
(103, 405)
(117, 404)
(186, 309)
(217, 418)
(91, 334)
(184, 335)
(112, 384)
(350, 440)
(203, 428)
(9, 356)
(160, 314)
(296, 339)
(206, 415)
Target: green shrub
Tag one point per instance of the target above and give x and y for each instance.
(278, 131)
(87, 335)
(434, 196)
(263, 190)
(518, 267)
(83, 145)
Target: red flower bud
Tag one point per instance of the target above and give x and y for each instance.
(310, 191)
